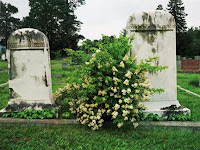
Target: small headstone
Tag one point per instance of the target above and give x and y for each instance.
(184, 58)
(155, 35)
(178, 57)
(29, 68)
(178, 64)
(3, 57)
(197, 57)
(190, 65)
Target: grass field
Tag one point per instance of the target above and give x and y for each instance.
(189, 81)
(76, 137)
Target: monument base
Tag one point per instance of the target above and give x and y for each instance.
(18, 106)
(165, 108)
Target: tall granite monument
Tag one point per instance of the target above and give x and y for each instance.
(155, 35)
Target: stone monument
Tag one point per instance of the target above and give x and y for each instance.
(29, 68)
(155, 35)
(197, 57)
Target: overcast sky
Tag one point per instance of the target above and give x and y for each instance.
(110, 16)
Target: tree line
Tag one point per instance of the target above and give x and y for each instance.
(56, 18)
(188, 39)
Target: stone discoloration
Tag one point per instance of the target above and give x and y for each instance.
(29, 67)
(155, 35)
(27, 39)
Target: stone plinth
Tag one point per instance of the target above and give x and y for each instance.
(29, 68)
(155, 35)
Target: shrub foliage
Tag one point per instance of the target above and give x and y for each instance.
(112, 85)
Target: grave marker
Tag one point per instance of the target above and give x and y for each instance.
(29, 68)
(155, 35)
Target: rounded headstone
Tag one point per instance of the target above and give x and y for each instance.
(27, 38)
(29, 67)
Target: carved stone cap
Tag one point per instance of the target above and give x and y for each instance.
(151, 21)
(27, 39)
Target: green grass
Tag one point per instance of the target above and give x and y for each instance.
(3, 64)
(3, 77)
(77, 137)
(4, 96)
(189, 81)
(192, 102)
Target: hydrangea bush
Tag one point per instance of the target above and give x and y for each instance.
(113, 85)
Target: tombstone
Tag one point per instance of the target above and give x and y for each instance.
(3, 57)
(3, 53)
(197, 57)
(178, 57)
(190, 66)
(29, 68)
(155, 35)
(184, 58)
(178, 64)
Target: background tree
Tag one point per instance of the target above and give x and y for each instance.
(176, 8)
(183, 39)
(185, 44)
(57, 20)
(8, 23)
(195, 34)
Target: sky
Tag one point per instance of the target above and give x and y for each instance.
(109, 16)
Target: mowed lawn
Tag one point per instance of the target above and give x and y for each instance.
(77, 137)
(189, 81)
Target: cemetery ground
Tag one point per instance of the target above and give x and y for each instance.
(109, 137)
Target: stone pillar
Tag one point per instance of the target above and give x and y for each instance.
(29, 68)
(155, 35)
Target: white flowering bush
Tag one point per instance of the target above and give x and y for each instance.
(112, 87)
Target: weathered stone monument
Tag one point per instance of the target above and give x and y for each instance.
(197, 57)
(155, 35)
(29, 68)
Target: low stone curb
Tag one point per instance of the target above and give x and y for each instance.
(187, 91)
(38, 121)
(168, 124)
(4, 84)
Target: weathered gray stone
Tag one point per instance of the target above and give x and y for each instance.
(29, 67)
(184, 58)
(197, 57)
(155, 35)
(178, 64)
(178, 57)
(3, 57)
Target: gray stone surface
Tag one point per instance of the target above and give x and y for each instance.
(197, 57)
(184, 58)
(178, 124)
(29, 67)
(155, 35)
(178, 64)
(178, 57)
